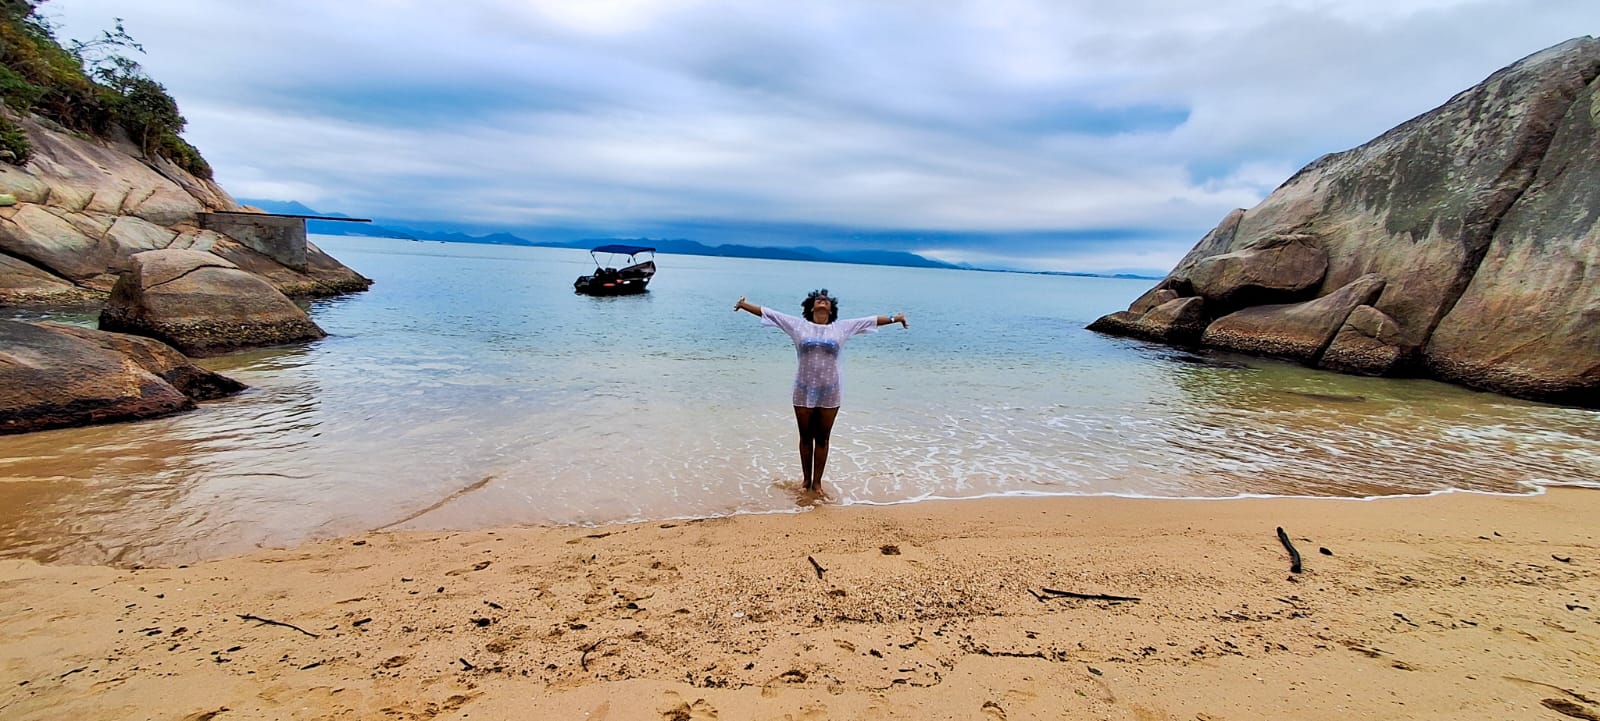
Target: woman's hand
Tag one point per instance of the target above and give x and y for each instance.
(739, 305)
(903, 322)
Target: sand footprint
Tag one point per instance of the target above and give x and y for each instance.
(680, 710)
(792, 676)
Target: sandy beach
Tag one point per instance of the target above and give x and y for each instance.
(1451, 607)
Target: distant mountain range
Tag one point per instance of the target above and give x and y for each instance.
(680, 246)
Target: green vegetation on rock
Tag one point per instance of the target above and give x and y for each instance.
(89, 86)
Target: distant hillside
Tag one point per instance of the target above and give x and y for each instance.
(683, 246)
(679, 246)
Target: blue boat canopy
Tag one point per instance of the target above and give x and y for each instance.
(624, 249)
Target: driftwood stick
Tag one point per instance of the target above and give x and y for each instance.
(817, 566)
(1294, 555)
(271, 622)
(1087, 596)
(583, 659)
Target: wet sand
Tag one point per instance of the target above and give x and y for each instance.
(1458, 606)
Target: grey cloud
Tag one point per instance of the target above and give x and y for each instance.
(1002, 117)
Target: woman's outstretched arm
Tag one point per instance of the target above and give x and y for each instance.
(750, 308)
(894, 318)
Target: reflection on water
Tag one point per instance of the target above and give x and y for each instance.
(471, 388)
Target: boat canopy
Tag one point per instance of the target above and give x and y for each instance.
(624, 249)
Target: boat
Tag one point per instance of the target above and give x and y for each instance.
(607, 279)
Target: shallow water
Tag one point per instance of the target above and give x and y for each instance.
(470, 387)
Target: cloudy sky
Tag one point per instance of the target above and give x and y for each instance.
(1067, 135)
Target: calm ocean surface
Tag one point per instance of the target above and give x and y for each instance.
(470, 388)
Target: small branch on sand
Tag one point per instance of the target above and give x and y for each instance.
(271, 622)
(1294, 555)
(1086, 596)
(984, 651)
(817, 566)
(583, 659)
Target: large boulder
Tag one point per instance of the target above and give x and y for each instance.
(1179, 321)
(1297, 331)
(1153, 298)
(1480, 216)
(58, 376)
(84, 206)
(32, 286)
(40, 234)
(1368, 344)
(202, 305)
(1529, 320)
(160, 359)
(1272, 269)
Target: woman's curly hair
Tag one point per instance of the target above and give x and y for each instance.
(811, 299)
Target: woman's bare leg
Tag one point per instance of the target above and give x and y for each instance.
(803, 418)
(821, 428)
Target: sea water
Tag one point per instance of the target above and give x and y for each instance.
(470, 387)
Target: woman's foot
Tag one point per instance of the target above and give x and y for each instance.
(812, 496)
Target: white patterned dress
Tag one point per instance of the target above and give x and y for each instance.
(817, 381)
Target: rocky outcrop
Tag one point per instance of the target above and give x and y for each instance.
(202, 305)
(1367, 344)
(55, 376)
(1528, 321)
(26, 285)
(160, 359)
(1269, 270)
(1180, 320)
(1478, 219)
(1296, 331)
(85, 206)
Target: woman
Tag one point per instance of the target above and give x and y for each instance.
(818, 341)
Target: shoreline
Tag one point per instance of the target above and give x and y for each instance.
(1453, 604)
(1530, 489)
(1534, 488)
